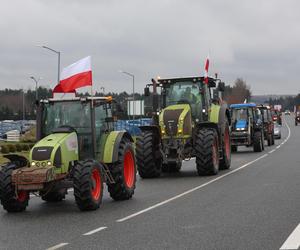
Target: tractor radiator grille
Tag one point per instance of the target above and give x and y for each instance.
(171, 118)
(41, 153)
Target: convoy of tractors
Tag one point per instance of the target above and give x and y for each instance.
(78, 146)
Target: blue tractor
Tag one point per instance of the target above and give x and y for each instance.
(246, 127)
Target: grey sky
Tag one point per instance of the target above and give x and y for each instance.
(256, 40)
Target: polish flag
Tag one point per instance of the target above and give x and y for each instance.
(206, 70)
(76, 75)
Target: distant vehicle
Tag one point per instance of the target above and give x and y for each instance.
(297, 115)
(267, 123)
(247, 127)
(287, 112)
(277, 131)
(276, 116)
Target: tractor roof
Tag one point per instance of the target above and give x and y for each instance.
(83, 99)
(263, 106)
(195, 79)
(243, 105)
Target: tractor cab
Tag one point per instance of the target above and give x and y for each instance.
(87, 118)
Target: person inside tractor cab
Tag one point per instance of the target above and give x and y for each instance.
(187, 95)
(257, 116)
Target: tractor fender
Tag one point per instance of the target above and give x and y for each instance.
(219, 114)
(112, 143)
(19, 160)
(154, 129)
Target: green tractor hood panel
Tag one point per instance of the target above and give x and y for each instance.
(176, 121)
(57, 149)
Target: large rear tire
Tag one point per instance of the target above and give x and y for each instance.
(225, 162)
(88, 185)
(207, 152)
(258, 142)
(148, 155)
(123, 172)
(11, 201)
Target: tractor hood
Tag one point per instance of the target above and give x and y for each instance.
(57, 148)
(241, 124)
(176, 121)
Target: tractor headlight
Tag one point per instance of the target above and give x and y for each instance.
(33, 164)
(179, 131)
(49, 163)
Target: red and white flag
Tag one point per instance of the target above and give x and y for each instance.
(206, 70)
(76, 75)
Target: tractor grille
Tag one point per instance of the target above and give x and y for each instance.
(41, 153)
(171, 118)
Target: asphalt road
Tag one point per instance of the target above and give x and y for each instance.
(254, 205)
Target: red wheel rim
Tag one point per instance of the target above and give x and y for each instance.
(129, 170)
(227, 143)
(22, 196)
(214, 153)
(96, 187)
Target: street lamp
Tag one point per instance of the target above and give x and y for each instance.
(36, 86)
(131, 75)
(58, 53)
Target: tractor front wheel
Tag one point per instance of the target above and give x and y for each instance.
(11, 200)
(148, 155)
(123, 173)
(207, 152)
(88, 185)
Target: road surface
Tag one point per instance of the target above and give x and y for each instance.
(254, 205)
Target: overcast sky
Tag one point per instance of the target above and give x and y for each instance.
(256, 40)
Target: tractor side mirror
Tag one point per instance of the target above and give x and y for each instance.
(221, 86)
(146, 91)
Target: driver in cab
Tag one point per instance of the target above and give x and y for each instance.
(187, 95)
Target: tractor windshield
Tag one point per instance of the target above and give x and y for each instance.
(66, 113)
(239, 114)
(185, 92)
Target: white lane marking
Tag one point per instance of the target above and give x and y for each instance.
(189, 191)
(278, 146)
(293, 241)
(60, 245)
(95, 231)
(272, 151)
(201, 186)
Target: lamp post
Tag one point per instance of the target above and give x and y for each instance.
(36, 86)
(58, 54)
(131, 75)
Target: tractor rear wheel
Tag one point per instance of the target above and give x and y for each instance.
(172, 167)
(258, 142)
(225, 162)
(207, 152)
(54, 196)
(123, 172)
(273, 138)
(148, 155)
(88, 185)
(11, 201)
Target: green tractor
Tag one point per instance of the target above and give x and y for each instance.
(192, 121)
(77, 148)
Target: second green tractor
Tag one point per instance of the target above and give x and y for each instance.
(190, 120)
